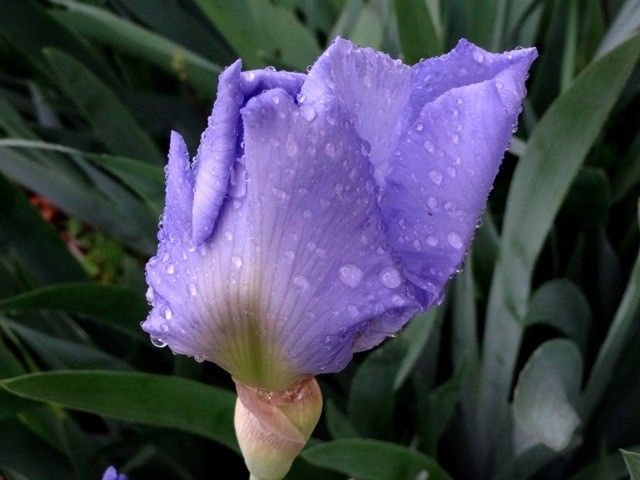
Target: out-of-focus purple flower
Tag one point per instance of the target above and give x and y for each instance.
(323, 210)
(112, 474)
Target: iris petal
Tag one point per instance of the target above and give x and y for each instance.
(438, 131)
(324, 210)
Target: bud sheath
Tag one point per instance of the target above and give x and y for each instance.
(272, 427)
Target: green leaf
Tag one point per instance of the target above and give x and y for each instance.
(115, 209)
(625, 25)
(109, 29)
(38, 246)
(144, 398)
(259, 31)
(439, 407)
(561, 305)
(143, 178)
(373, 460)
(371, 411)
(337, 422)
(178, 23)
(632, 460)
(117, 304)
(542, 179)
(63, 354)
(45, 31)
(619, 333)
(111, 121)
(544, 400)
(419, 36)
(27, 455)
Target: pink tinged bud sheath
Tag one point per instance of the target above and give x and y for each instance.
(272, 427)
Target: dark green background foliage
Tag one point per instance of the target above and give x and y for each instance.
(528, 370)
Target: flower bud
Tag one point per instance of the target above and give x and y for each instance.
(272, 427)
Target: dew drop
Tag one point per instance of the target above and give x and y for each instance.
(432, 202)
(300, 282)
(419, 127)
(455, 240)
(353, 310)
(390, 277)
(350, 275)
(432, 241)
(451, 172)
(478, 57)
(455, 138)
(307, 214)
(416, 244)
(193, 290)
(429, 146)
(150, 295)
(171, 269)
(291, 147)
(199, 358)
(237, 261)
(435, 176)
(168, 314)
(308, 112)
(228, 235)
(330, 149)
(158, 342)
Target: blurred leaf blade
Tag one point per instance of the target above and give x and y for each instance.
(135, 40)
(149, 399)
(554, 154)
(373, 460)
(111, 121)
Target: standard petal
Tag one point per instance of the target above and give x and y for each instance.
(216, 153)
(367, 86)
(327, 284)
(444, 167)
(437, 132)
(220, 145)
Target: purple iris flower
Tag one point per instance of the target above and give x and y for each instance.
(112, 474)
(323, 210)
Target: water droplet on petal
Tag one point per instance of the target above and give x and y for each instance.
(291, 147)
(432, 202)
(171, 269)
(228, 235)
(350, 275)
(435, 176)
(432, 241)
(353, 310)
(419, 127)
(193, 290)
(300, 282)
(308, 112)
(330, 149)
(150, 295)
(451, 172)
(307, 214)
(168, 314)
(390, 277)
(478, 57)
(158, 342)
(455, 138)
(237, 261)
(429, 146)
(455, 240)
(199, 358)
